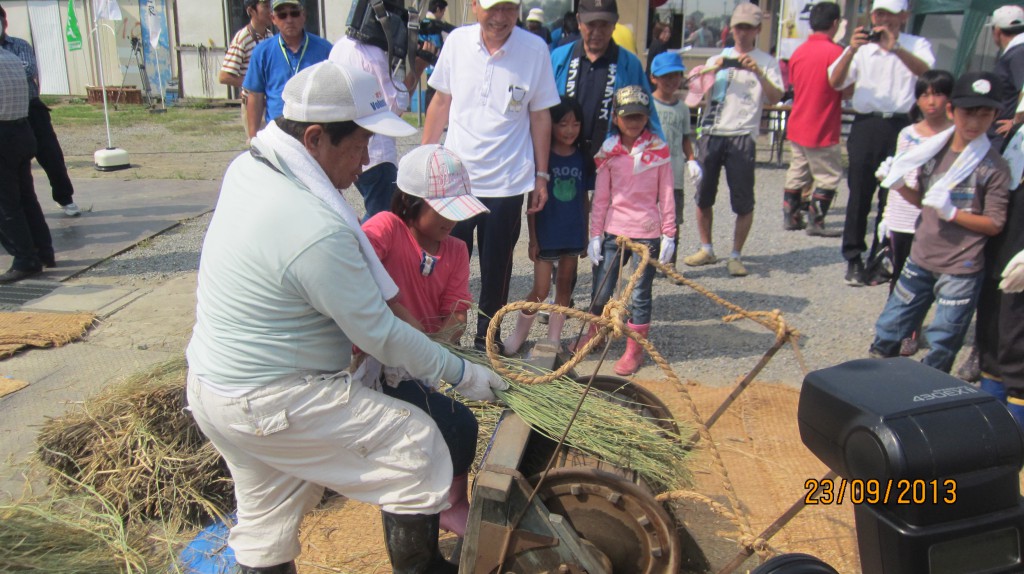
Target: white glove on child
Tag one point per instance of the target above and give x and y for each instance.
(478, 383)
(594, 251)
(668, 248)
(941, 203)
(883, 229)
(1013, 275)
(883, 169)
(695, 172)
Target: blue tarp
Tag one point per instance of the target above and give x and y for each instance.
(209, 553)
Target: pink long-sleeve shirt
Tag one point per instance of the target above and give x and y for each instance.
(640, 206)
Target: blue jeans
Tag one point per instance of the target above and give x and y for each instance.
(955, 297)
(377, 186)
(640, 309)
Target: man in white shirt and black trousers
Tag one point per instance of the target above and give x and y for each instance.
(883, 64)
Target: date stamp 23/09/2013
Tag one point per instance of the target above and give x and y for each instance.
(871, 491)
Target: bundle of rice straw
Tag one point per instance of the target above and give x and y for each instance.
(138, 449)
(604, 428)
(78, 534)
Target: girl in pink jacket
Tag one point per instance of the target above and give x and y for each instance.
(633, 198)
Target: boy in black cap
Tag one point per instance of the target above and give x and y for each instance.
(963, 193)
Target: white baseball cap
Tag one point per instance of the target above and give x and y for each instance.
(1007, 17)
(327, 92)
(893, 6)
(488, 4)
(436, 174)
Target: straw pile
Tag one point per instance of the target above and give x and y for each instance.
(604, 428)
(138, 449)
(74, 535)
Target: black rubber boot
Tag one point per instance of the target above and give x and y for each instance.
(821, 201)
(411, 540)
(792, 217)
(287, 568)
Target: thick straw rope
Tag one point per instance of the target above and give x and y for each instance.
(612, 322)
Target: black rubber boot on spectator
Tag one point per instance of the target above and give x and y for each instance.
(792, 217)
(287, 568)
(821, 201)
(411, 540)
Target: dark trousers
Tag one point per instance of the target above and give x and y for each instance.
(872, 139)
(456, 422)
(23, 230)
(899, 246)
(999, 336)
(49, 154)
(497, 233)
(377, 186)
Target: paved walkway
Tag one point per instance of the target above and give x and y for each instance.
(151, 325)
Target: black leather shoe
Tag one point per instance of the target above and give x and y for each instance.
(12, 275)
(48, 262)
(286, 568)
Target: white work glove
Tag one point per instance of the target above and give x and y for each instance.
(941, 203)
(594, 251)
(883, 169)
(668, 248)
(883, 229)
(478, 381)
(695, 172)
(1013, 275)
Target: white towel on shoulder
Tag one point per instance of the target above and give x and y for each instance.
(915, 157)
(294, 158)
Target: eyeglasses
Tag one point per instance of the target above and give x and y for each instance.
(284, 15)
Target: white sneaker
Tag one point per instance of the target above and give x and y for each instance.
(71, 210)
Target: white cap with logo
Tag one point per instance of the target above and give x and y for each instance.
(327, 92)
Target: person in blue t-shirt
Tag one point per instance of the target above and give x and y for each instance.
(275, 60)
(558, 233)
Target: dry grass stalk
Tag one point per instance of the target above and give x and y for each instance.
(138, 449)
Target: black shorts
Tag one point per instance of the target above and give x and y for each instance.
(556, 254)
(736, 155)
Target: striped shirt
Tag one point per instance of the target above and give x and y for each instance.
(13, 88)
(236, 60)
(23, 50)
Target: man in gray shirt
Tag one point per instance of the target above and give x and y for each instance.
(23, 230)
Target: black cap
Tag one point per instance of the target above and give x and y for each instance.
(977, 90)
(632, 100)
(591, 10)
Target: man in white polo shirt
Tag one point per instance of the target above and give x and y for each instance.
(494, 87)
(882, 63)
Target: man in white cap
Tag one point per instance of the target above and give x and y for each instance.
(882, 63)
(1007, 25)
(288, 283)
(494, 87)
(535, 24)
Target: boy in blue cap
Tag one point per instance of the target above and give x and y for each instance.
(666, 78)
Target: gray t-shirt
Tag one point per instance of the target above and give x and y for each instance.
(946, 247)
(675, 122)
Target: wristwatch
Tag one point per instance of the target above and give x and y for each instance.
(544, 174)
(896, 48)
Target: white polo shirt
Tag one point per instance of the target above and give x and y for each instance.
(492, 97)
(884, 83)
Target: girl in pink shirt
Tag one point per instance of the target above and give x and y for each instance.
(632, 198)
(431, 269)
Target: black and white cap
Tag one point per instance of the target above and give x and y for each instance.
(977, 90)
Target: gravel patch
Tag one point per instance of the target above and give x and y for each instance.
(799, 275)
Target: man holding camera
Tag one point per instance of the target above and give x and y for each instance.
(746, 78)
(883, 65)
(377, 183)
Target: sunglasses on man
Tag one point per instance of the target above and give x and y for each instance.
(285, 14)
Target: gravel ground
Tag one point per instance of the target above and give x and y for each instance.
(800, 275)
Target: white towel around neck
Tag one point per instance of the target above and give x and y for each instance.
(294, 158)
(963, 166)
